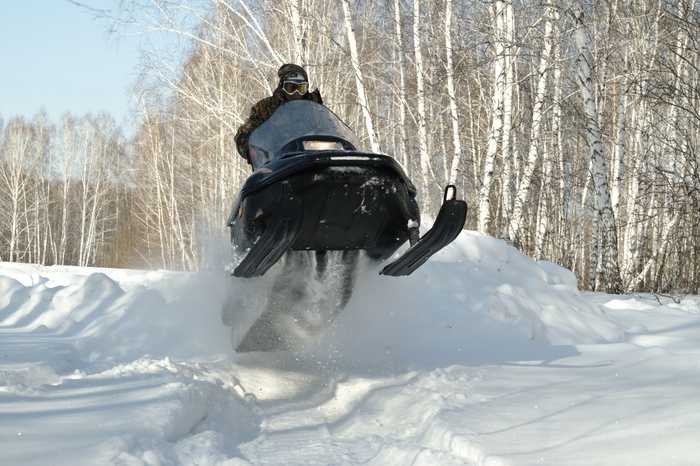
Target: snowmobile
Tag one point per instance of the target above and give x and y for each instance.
(314, 198)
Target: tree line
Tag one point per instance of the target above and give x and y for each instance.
(571, 127)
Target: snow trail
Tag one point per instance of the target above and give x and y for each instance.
(481, 357)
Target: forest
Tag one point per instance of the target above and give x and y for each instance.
(571, 127)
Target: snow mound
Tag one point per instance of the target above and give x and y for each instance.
(478, 301)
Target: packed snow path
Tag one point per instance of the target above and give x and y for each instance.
(481, 357)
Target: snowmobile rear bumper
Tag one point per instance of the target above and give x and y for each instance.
(285, 225)
(335, 201)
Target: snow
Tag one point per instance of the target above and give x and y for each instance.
(481, 357)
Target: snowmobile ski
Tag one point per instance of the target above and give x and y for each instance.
(277, 238)
(448, 224)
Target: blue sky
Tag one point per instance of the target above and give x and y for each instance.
(54, 54)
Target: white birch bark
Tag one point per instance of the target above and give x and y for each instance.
(510, 167)
(17, 145)
(610, 269)
(621, 128)
(564, 195)
(674, 167)
(641, 114)
(420, 96)
(496, 120)
(93, 159)
(300, 48)
(68, 151)
(452, 95)
(619, 156)
(401, 63)
(359, 79)
(544, 210)
(537, 114)
(254, 25)
(659, 249)
(633, 232)
(43, 191)
(579, 234)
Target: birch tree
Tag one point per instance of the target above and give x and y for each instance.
(40, 230)
(530, 164)
(16, 161)
(68, 150)
(610, 272)
(402, 101)
(509, 157)
(451, 176)
(497, 116)
(525, 140)
(300, 40)
(423, 155)
(359, 78)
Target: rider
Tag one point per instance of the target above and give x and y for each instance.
(293, 85)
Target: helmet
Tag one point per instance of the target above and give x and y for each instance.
(292, 72)
(293, 79)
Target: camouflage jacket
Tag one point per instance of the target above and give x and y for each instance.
(260, 112)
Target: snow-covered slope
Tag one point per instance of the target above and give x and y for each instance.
(482, 356)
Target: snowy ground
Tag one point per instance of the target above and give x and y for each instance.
(481, 357)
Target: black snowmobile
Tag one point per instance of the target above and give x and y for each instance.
(315, 200)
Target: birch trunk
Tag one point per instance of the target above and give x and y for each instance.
(68, 155)
(537, 115)
(564, 196)
(659, 249)
(631, 243)
(510, 168)
(609, 269)
(300, 48)
(17, 145)
(496, 120)
(674, 168)
(454, 114)
(420, 91)
(398, 31)
(359, 79)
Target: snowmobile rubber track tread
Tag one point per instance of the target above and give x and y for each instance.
(277, 239)
(448, 224)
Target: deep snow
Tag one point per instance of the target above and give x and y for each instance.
(482, 356)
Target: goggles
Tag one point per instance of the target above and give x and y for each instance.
(290, 87)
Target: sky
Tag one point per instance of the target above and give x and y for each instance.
(54, 54)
